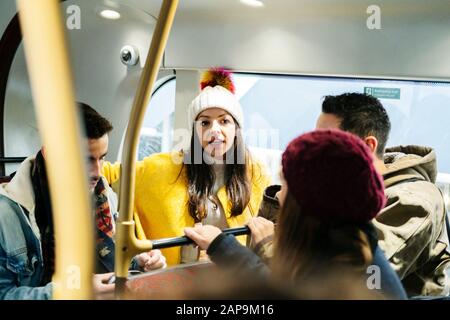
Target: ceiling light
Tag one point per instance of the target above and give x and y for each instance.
(110, 14)
(253, 3)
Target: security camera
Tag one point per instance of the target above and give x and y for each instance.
(129, 55)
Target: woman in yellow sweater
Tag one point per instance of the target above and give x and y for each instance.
(214, 182)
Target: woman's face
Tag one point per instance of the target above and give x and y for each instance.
(216, 130)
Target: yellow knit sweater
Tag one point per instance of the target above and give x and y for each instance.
(161, 198)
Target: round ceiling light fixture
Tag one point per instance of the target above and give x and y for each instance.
(253, 3)
(110, 14)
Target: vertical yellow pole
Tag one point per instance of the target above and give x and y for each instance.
(127, 244)
(51, 82)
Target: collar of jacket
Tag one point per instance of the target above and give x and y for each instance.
(20, 190)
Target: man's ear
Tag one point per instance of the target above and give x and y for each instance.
(372, 143)
(43, 152)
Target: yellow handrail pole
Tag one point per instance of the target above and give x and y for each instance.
(127, 244)
(51, 82)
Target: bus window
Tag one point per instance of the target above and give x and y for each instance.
(278, 108)
(157, 129)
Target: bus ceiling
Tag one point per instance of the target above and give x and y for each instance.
(320, 37)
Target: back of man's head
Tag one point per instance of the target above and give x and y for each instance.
(360, 114)
(95, 125)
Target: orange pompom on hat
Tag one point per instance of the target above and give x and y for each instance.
(217, 92)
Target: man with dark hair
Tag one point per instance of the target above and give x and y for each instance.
(27, 248)
(95, 125)
(411, 227)
(359, 114)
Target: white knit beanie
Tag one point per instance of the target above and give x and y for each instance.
(217, 92)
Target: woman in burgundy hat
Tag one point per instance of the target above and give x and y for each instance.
(331, 192)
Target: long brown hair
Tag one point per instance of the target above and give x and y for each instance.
(306, 246)
(201, 177)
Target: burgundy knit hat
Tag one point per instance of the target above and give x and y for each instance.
(331, 175)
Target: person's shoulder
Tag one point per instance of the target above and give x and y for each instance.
(162, 167)
(390, 282)
(9, 213)
(418, 198)
(259, 172)
(8, 207)
(164, 159)
(414, 190)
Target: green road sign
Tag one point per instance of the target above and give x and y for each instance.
(383, 93)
